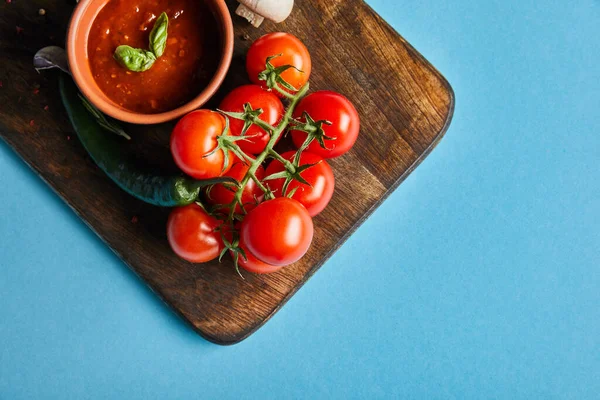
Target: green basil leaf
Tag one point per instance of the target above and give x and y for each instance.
(158, 36)
(136, 60)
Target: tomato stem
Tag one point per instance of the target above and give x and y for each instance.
(285, 93)
(268, 151)
(263, 125)
(262, 186)
(288, 165)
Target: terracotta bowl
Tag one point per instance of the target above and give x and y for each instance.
(77, 40)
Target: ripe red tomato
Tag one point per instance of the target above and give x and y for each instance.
(195, 136)
(272, 108)
(293, 52)
(338, 110)
(221, 194)
(278, 232)
(193, 234)
(253, 264)
(320, 177)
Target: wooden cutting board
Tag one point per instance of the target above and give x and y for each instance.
(405, 106)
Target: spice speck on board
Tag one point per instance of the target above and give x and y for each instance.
(31, 123)
(134, 219)
(46, 108)
(19, 30)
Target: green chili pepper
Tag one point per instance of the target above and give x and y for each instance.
(108, 151)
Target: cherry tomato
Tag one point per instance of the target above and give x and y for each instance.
(320, 177)
(278, 232)
(253, 264)
(195, 136)
(338, 110)
(293, 52)
(221, 194)
(193, 234)
(258, 98)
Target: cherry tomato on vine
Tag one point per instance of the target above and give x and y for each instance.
(320, 178)
(335, 108)
(258, 98)
(253, 264)
(193, 234)
(278, 232)
(293, 52)
(195, 136)
(223, 194)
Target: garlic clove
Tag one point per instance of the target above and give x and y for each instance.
(252, 17)
(255, 11)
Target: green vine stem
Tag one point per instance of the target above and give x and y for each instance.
(268, 151)
(285, 93)
(262, 124)
(260, 184)
(288, 165)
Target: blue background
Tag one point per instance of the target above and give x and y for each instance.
(479, 277)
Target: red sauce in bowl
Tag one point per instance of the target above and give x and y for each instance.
(189, 62)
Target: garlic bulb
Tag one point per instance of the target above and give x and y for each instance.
(255, 11)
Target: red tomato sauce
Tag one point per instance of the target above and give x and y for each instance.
(186, 67)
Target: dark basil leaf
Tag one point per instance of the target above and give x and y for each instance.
(136, 60)
(158, 36)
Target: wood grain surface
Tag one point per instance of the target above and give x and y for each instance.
(405, 106)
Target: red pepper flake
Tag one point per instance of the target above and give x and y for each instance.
(8, 1)
(68, 137)
(36, 91)
(0, 84)
(31, 123)
(134, 220)
(46, 108)
(19, 30)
